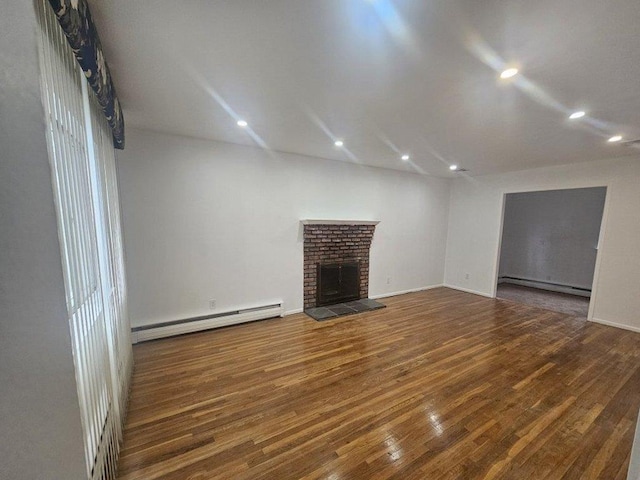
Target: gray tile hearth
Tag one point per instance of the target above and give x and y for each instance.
(343, 309)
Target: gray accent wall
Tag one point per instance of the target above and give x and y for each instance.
(40, 429)
(552, 236)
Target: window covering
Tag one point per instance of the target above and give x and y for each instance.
(83, 169)
(75, 19)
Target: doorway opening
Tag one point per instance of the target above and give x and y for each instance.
(549, 248)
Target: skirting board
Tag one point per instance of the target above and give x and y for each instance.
(614, 324)
(467, 290)
(373, 297)
(402, 292)
(152, 332)
(596, 320)
(547, 286)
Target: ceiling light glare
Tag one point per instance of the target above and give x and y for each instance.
(453, 168)
(405, 157)
(338, 143)
(576, 115)
(242, 123)
(615, 138)
(508, 73)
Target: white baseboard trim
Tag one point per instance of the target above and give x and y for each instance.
(197, 324)
(546, 286)
(373, 297)
(467, 290)
(402, 292)
(614, 324)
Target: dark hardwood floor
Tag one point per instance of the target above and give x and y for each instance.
(441, 384)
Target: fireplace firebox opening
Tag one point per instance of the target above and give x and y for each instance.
(338, 282)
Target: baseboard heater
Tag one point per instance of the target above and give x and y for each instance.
(206, 322)
(555, 287)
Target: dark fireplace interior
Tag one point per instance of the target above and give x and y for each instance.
(338, 282)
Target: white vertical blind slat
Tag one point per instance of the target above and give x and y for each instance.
(85, 186)
(67, 211)
(59, 149)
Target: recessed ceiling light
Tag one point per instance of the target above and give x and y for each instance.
(576, 115)
(405, 157)
(453, 167)
(509, 72)
(338, 143)
(242, 123)
(615, 138)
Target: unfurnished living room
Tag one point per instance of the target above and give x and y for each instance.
(319, 239)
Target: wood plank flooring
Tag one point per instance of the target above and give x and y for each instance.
(439, 385)
(573, 305)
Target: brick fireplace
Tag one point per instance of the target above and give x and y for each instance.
(335, 242)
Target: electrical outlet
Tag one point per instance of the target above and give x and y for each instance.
(212, 304)
(466, 276)
(388, 280)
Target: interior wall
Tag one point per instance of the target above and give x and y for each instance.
(552, 236)
(41, 435)
(475, 226)
(208, 221)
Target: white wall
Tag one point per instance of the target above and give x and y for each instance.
(552, 236)
(475, 225)
(40, 432)
(214, 221)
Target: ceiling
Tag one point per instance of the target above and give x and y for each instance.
(388, 77)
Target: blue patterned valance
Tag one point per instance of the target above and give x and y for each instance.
(75, 18)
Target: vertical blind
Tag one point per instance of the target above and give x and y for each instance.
(85, 188)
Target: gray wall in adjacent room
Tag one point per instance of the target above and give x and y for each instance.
(552, 236)
(41, 435)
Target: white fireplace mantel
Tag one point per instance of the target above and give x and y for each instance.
(307, 221)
